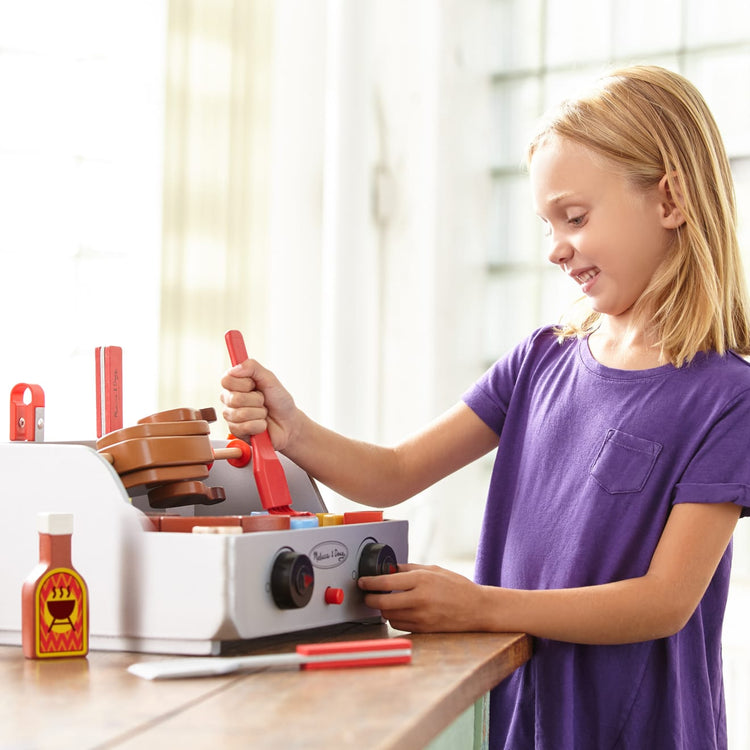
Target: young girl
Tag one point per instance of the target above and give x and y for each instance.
(622, 436)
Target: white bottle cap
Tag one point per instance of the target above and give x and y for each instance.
(55, 523)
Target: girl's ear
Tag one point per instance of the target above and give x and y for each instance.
(671, 213)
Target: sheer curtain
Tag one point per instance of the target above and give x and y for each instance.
(215, 206)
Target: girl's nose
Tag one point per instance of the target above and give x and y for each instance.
(560, 250)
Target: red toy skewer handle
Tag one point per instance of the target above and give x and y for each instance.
(267, 469)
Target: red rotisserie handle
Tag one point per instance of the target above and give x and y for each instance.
(267, 469)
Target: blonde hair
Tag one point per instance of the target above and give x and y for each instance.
(652, 122)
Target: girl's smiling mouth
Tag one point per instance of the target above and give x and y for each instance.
(585, 278)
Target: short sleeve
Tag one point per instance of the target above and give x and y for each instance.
(490, 396)
(719, 472)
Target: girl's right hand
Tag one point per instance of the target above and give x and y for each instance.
(254, 400)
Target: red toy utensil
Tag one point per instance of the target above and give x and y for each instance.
(267, 469)
(108, 389)
(372, 653)
(27, 413)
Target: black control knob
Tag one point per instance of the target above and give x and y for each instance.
(377, 560)
(292, 580)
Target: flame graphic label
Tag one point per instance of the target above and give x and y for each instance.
(61, 614)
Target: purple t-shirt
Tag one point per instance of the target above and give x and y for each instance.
(589, 463)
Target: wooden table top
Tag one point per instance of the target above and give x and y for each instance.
(96, 703)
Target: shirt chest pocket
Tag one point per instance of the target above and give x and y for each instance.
(624, 462)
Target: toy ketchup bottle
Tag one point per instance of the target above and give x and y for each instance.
(55, 602)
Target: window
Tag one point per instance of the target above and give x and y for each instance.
(544, 49)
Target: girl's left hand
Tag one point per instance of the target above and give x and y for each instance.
(425, 599)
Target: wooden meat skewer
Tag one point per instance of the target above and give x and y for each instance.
(170, 438)
(220, 454)
(168, 454)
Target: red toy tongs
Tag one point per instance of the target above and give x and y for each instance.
(267, 469)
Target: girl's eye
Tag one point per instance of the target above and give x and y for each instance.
(577, 221)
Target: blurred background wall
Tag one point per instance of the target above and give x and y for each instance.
(341, 180)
